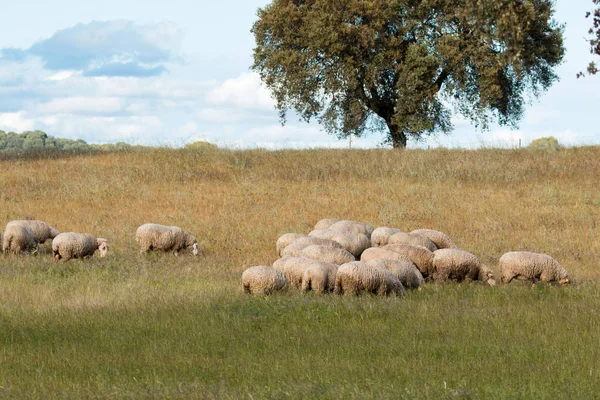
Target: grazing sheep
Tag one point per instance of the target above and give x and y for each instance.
(379, 252)
(459, 265)
(263, 280)
(440, 239)
(41, 230)
(381, 235)
(533, 266)
(68, 245)
(327, 254)
(165, 238)
(319, 277)
(422, 257)
(293, 268)
(413, 239)
(19, 239)
(295, 248)
(355, 243)
(353, 227)
(357, 277)
(406, 271)
(325, 223)
(285, 240)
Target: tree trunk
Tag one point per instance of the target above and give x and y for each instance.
(398, 137)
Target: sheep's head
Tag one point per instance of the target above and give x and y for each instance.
(192, 244)
(565, 280)
(487, 275)
(103, 247)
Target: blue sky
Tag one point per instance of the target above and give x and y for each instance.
(167, 73)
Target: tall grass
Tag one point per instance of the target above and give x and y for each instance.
(134, 326)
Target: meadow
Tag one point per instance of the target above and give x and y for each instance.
(158, 326)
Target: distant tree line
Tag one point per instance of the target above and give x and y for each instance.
(39, 140)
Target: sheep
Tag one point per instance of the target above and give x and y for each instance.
(319, 277)
(325, 223)
(165, 238)
(357, 277)
(19, 239)
(68, 245)
(381, 235)
(293, 268)
(327, 254)
(379, 252)
(533, 266)
(263, 280)
(295, 248)
(355, 243)
(440, 239)
(41, 230)
(353, 227)
(406, 271)
(413, 239)
(456, 264)
(286, 239)
(422, 257)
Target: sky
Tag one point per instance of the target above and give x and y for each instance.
(168, 73)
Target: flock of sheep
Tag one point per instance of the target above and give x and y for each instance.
(349, 257)
(25, 236)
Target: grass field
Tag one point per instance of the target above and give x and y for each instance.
(158, 326)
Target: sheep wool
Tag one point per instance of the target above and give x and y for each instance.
(413, 239)
(422, 257)
(355, 243)
(381, 235)
(440, 239)
(41, 230)
(319, 277)
(165, 238)
(68, 245)
(293, 268)
(295, 248)
(285, 240)
(532, 266)
(459, 265)
(19, 239)
(357, 277)
(327, 254)
(263, 280)
(406, 271)
(353, 227)
(325, 223)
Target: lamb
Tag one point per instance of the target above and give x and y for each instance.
(406, 271)
(422, 257)
(327, 254)
(325, 223)
(381, 235)
(293, 268)
(263, 280)
(413, 239)
(460, 265)
(285, 240)
(440, 239)
(355, 243)
(319, 277)
(357, 277)
(533, 266)
(41, 230)
(295, 248)
(353, 227)
(68, 245)
(165, 238)
(19, 239)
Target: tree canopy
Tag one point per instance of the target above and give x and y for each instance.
(592, 69)
(358, 66)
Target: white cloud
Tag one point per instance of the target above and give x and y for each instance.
(245, 91)
(15, 122)
(62, 75)
(83, 105)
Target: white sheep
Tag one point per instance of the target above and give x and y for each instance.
(319, 277)
(41, 230)
(295, 248)
(422, 257)
(440, 239)
(263, 280)
(357, 277)
(285, 240)
(459, 265)
(406, 271)
(293, 268)
(327, 254)
(353, 227)
(165, 238)
(413, 239)
(68, 245)
(19, 239)
(381, 235)
(532, 266)
(355, 243)
(325, 223)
